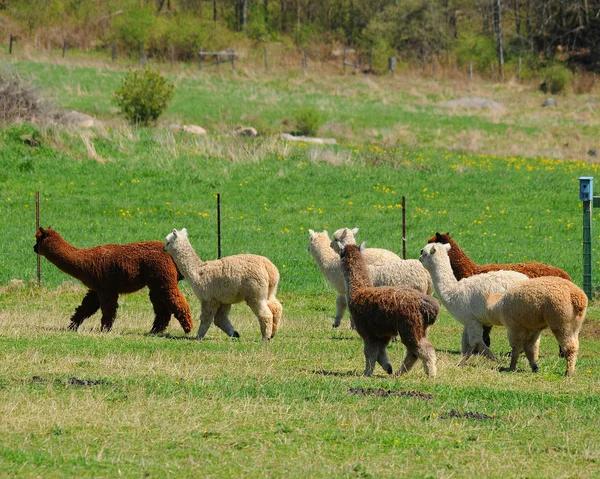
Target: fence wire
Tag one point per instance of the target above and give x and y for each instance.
(281, 232)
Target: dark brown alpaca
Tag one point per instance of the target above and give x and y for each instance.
(381, 313)
(113, 269)
(463, 267)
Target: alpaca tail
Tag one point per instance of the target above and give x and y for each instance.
(580, 302)
(429, 310)
(273, 273)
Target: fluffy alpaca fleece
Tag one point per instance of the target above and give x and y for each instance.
(527, 308)
(463, 267)
(465, 299)
(113, 269)
(385, 269)
(392, 269)
(384, 312)
(220, 283)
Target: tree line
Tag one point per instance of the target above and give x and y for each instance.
(543, 30)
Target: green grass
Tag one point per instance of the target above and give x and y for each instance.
(130, 404)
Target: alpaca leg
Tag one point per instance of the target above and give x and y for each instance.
(464, 342)
(222, 321)
(486, 335)
(109, 302)
(409, 361)
(276, 310)
(532, 342)
(382, 357)
(340, 309)
(89, 305)
(569, 343)
(265, 317)
(515, 339)
(177, 305)
(207, 313)
(162, 315)
(475, 335)
(371, 350)
(426, 353)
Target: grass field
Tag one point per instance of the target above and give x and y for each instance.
(127, 404)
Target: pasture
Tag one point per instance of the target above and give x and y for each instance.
(134, 405)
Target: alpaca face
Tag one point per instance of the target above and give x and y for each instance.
(40, 235)
(343, 236)
(317, 238)
(431, 251)
(171, 239)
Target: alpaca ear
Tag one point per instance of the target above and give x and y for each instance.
(174, 233)
(354, 231)
(311, 232)
(447, 246)
(184, 232)
(362, 246)
(340, 246)
(438, 237)
(42, 230)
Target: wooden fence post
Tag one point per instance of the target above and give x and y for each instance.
(304, 62)
(64, 48)
(201, 58)
(470, 69)
(113, 52)
(266, 60)
(10, 43)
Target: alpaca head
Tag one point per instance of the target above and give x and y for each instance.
(434, 252)
(172, 239)
(344, 236)
(317, 238)
(41, 239)
(443, 238)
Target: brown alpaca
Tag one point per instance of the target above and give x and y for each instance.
(113, 269)
(529, 307)
(381, 313)
(463, 267)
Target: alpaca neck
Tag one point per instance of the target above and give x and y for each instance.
(188, 262)
(462, 265)
(356, 274)
(328, 261)
(443, 278)
(65, 257)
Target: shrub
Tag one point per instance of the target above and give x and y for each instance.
(143, 96)
(19, 100)
(308, 121)
(555, 78)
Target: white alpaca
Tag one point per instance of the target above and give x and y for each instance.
(527, 308)
(465, 299)
(220, 283)
(385, 269)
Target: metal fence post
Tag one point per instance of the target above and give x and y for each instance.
(586, 194)
(404, 227)
(219, 225)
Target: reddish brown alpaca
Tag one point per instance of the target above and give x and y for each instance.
(113, 269)
(463, 267)
(381, 313)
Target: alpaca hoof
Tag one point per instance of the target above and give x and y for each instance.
(335, 325)
(561, 353)
(235, 334)
(73, 327)
(388, 368)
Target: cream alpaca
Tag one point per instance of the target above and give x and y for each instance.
(527, 308)
(220, 283)
(465, 299)
(385, 269)
(392, 270)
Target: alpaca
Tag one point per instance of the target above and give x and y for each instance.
(463, 267)
(465, 299)
(385, 269)
(381, 313)
(220, 283)
(410, 272)
(527, 308)
(113, 269)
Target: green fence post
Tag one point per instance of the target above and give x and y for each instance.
(586, 194)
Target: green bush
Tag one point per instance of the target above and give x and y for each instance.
(555, 78)
(143, 96)
(308, 121)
